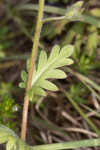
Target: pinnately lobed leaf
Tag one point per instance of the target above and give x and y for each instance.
(47, 68)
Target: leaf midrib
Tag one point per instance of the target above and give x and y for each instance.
(43, 70)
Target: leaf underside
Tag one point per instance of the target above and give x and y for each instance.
(47, 68)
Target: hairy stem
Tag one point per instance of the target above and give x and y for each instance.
(31, 69)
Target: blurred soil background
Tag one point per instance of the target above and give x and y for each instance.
(72, 113)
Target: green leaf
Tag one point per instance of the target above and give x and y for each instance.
(42, 60)
(15, 143)
(3, 139)
(66, 51)
(47, 85)
(22, 85)
(74, 11)
(24, 76)
(47, 68)
(22, 146)
(4, 131)
(54, 53)
(55, 73)
(63, 62)
(39, 91)
(11, 144)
